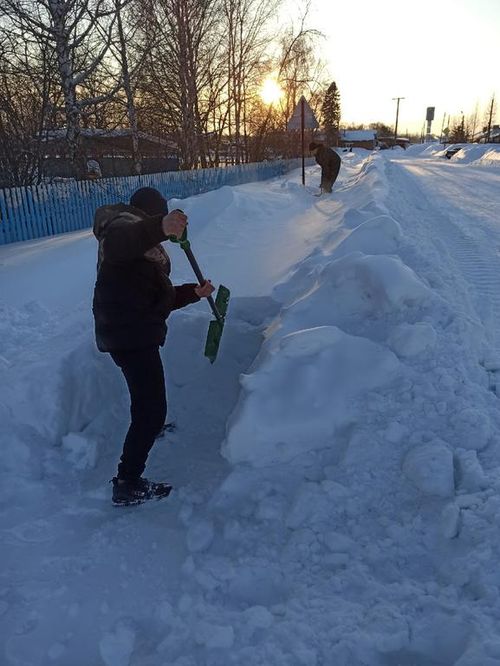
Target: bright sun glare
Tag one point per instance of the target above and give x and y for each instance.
(270, 91)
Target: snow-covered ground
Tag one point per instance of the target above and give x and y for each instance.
(337, 470)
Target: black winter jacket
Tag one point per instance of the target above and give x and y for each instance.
(133, 294)
(329, 162)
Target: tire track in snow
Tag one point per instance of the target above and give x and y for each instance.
(437, 203)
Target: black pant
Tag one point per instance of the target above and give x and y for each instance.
(143, 371)
(327, 182)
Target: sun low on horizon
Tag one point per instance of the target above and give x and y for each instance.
(270, 91)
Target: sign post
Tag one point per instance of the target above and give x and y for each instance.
(302, 123)
(429, 117)
(302, 118)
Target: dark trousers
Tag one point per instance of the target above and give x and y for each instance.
(327, 182)
(143, 371)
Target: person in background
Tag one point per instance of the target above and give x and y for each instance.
(329, 162)
(133, 296)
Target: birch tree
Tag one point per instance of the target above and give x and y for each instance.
(179, 72)
(75, 30)
(134, 38)
(246, 23)
(28, 96)
(299, 72)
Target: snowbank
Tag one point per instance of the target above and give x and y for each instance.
(301, 394)
(491, 157)
(472, 154)
(415, 149)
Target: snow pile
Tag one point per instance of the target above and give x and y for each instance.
(470, 153)
(370, 173)
(378, 235)
(415, 149)
(432, 150)
(490, 157)
(52, 404)
(312, 348)
(274, 423)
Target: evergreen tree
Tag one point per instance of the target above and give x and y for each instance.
(331, 113)
(458, 133)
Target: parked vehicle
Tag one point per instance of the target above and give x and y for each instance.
(453, 150)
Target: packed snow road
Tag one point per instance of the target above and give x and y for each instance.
(336, 472)
(454, 210)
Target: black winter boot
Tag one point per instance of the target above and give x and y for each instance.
(127, 492)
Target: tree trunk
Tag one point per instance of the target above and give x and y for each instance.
(127, 86)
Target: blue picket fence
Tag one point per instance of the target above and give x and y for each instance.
(44, 210)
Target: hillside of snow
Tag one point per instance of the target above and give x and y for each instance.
(336, 471)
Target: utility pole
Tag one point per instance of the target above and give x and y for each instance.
(397, 117)
(442, 129)
(302, 123)
(490, 118)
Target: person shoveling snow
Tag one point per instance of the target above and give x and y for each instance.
(133, 297)
(329, 162)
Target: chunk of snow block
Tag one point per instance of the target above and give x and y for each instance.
(472, 428)
(379, 235)
(79, 451)
(199, 536)
(273, 422)
(471, 476)
(408, 340)
(117, 645)
(430, 468)
(450, 521)
(214, 635)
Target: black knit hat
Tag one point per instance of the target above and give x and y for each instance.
(313, 145)
(150, 201)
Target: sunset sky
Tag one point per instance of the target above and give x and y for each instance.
(442, 53)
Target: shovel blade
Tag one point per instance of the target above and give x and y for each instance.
(222, 300)
(213, 340)
(216, 327)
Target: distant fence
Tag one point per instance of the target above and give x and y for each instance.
(45, 210)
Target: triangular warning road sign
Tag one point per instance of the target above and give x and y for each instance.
(310, 121)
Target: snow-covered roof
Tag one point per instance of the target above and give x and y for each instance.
(358, 135)
(494, 132)
(403, 139)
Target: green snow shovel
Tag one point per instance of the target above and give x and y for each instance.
(219, 306)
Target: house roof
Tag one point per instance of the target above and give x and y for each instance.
(494, 132)
(402, 139)
(95, 133)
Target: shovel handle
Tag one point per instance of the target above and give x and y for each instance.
(185, 245)
(201, 280)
